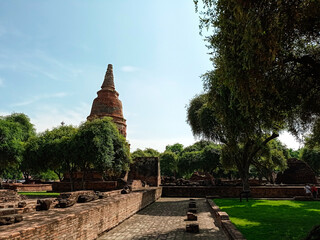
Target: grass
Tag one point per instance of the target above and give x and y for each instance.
(272, 219)
(39, 193)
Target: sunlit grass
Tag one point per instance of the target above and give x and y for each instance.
(39, 193)
(272, 219)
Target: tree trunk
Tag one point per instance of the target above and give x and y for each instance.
(58, 174)
(243, 168)
(260, 179)
(26, 177)
(71, 180)
(82, 180)
(245, 182)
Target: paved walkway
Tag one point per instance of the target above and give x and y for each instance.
(165, 219)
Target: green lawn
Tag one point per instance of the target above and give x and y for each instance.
(272, 219)
(39, 193)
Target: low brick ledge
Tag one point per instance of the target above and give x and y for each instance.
(223, 220)
(85, 221)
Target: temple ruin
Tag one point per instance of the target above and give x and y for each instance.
(107, 103)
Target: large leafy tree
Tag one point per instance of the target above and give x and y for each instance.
(268, 54)
(202, 156)
(217, 117)
(311, 152)
(52, 150)
(169, 163)
(58, 148)
(169, 159)
(312, 157)
(15, 130)
(265, 76)
(100, 146)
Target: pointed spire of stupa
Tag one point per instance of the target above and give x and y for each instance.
(108, 78)
(108, 104)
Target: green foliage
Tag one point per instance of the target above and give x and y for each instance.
(294, 153)
(267, 53)
(39, 193)
(169, 159)
(15, 129)
(148, 152)
(312, 157)
(266, 59)
(11, 173)
(169, 163)
(100, 147)
(313, 140)
(217, 116)
(95, 145)
(273, 159)
(52, 150)
(23, 121)
(210, 158)
(198, 146)
(268, 219)
(46, 176)
(176, 148)
(189, 162)
(202, 156)
(311, 153)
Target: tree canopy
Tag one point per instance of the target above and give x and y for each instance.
(267, 53)
(216, 116)
(148, 152)
(95, 145)
(100, 146)
(266, 59)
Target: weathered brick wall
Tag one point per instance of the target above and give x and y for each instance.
(96, 186)
(28, 187)
(82, 221)
(146, 169)
(9, 196)
(224, 191)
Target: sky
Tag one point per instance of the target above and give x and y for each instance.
(54, 55)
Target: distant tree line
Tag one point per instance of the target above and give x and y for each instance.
(97, 146)
(205, 156)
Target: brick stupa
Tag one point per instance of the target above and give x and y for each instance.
(107, 104)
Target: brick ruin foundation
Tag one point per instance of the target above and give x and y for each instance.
(297, 172)
(81, 221)
(234, 192)
(28, 187)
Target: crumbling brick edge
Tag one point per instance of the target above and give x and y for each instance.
(85, 221)
(224, 222)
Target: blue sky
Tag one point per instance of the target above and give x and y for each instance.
(54, 54)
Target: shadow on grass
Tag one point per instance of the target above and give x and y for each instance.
(272, 219)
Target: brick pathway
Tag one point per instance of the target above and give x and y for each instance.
(165, 219)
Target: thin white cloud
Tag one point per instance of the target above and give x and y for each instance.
(28, 62)
(129, 69)
(4, 113)
(43, 119)
(40, 97)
